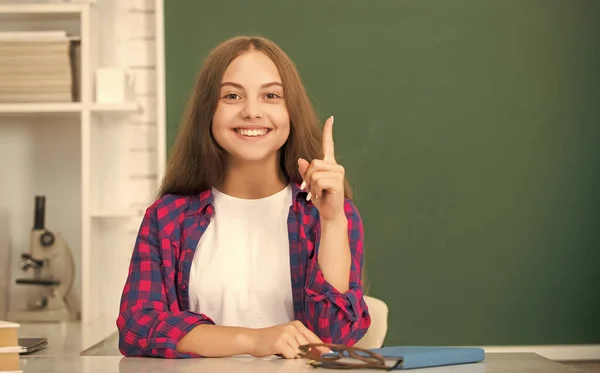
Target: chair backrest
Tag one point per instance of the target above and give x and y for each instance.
(379, 324)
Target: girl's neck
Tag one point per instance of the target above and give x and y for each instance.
(252, 180)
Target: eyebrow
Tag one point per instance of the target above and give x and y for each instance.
(239, 86)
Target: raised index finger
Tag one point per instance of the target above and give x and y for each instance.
(328, 151)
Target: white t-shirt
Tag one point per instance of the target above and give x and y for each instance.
(240, 273)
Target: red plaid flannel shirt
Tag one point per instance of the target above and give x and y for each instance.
(154, 313)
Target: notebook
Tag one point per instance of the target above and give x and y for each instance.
(410, 357)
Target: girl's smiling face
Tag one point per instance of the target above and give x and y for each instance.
(251, 121)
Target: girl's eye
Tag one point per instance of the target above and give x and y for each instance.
(272, 95)
(232, 96)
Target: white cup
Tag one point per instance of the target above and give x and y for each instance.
(113, 85)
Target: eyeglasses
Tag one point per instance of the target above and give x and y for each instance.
(346, 357)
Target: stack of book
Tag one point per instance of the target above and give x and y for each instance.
(9, 347)
(38, 66)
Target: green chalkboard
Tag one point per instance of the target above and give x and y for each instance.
(469, 130)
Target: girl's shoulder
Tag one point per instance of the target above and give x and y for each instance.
(172, 208)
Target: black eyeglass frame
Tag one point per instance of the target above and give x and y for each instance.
(367, 358)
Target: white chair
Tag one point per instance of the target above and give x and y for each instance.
(379, 323)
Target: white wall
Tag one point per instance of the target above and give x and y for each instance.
(39, 156)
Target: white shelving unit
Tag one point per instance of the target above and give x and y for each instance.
(43, 8)
(18, 108)
(70, 107)
(73, 153)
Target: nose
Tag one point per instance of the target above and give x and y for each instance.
(251, 110)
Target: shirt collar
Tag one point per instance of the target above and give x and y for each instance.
(205, 199)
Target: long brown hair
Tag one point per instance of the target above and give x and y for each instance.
(197, 161)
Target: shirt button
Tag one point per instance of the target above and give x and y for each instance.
(189, 251)
(202, 223)
(183, 287)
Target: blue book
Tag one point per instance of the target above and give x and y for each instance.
(409, 357)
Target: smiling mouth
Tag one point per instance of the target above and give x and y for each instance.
(252, 132)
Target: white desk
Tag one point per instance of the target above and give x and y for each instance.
(495, 363)
(71, 338)
(68, 352)
(64, 339)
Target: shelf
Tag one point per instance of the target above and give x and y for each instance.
(42, 8)
(66, 107)
(23, 108)
(116, 107)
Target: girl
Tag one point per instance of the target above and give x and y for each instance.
(253, 246)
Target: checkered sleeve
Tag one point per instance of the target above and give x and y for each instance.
(150, 322)
(341, 318)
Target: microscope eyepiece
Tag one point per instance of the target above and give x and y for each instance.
(39, 213)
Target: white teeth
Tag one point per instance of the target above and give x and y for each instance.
(252, 133)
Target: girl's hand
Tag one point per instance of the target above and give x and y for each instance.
(283, 340)
(324, 179)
